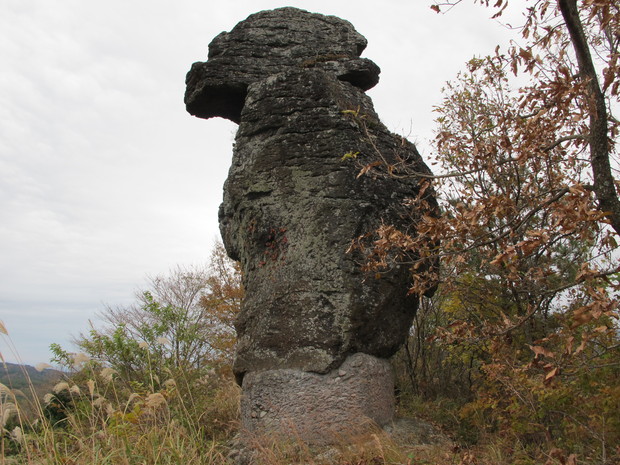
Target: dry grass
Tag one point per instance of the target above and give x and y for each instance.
(370, 449)
(100, 426)
(106, 426)
(91, 420)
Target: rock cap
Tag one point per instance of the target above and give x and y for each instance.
(268, 43)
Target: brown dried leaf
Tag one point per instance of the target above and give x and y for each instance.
(499, 259)
(609, 79)
(525, 54)
(581, 316)
(539, 350)
(367, 168)
(581, 346)
(552, 374)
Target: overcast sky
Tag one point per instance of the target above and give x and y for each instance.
(106, 178)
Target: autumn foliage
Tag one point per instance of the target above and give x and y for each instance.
(517, 354)
(525, 323)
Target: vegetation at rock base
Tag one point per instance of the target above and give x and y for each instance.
(515, 357)
(153, 385)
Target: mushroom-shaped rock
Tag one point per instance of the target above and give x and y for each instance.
(293, 204)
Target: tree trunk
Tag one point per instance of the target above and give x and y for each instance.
(604, 185)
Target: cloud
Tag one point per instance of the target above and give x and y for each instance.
(106, 178)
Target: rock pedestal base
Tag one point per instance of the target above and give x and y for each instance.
(319, 408)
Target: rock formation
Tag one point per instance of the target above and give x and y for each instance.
(315, 331)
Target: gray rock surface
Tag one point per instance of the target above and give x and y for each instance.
(268, 43)
(293, 201)
(320, 408)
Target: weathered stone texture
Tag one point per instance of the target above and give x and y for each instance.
(291, 209)
(320, 408)
(293, 203)
(267, 43)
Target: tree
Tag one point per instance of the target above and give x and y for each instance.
(221, 304)
(181, 323)
(570, 81)
(607, 16)
(528, 234)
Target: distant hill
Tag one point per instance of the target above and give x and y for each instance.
(19, 377)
